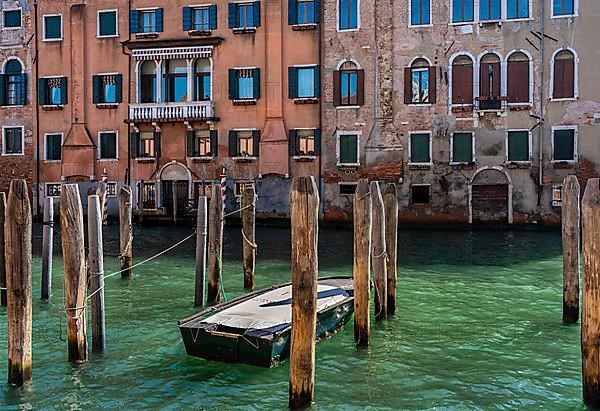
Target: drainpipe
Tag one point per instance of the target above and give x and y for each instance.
(542, 113)
(37, 109)
(128, 175)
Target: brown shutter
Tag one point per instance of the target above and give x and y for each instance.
(484, 81)
(337, 92)
(360, 79)
(496, 79)
(559, 76)
(569, 78)
(432, 84)
(462, 84)
(518, 81)
(407, 86)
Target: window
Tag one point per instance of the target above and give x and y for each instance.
(108, 145)
(244, 15)
(563, 8)
(111, 190)
(52, 27)
(348, 149)
(348, 85)
(149, 196)
(518, 78)
(244, 84)
(420, 148)
(518, 146)
(107, 23)
(12, 140)
(489, 82)
(202, 143)
(240, 187)
(11, 19)
(564, 143)
(107, 88)
(563, 72)
(462, 80)
(52, 91)
(462, 148)
(244, 143)
(200, 18)
(419, 83)
(517, 9)
(146, 21)
(303, 11)
(54, 147)
(145, 145)
(420, 12)
(203, 80)
(175, 80)
(462, 11)
(53, 189)
(348, 15)
(13, 90)
(420, 194)
(304, 82)
(148, 82)
(305, 142)
(347, 189)
(489, 10)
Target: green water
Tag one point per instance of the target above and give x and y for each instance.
(478, 327)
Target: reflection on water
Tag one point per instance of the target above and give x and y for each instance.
(478, 327)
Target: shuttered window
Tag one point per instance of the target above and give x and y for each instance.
(53, 27)
(518, 78)
(564, 144)
(462, 147)
(107, 23)
(348, 149)
(244, 15)
(107, 88)
(489, 82)
(12, 19)
(244, 143)
(347, 14)
(517, 9)
(13, 85)
(419, 148)
(305, 142)
(108, 145)
(563, 7)
(145, 144)
(489, 10)
(244, 84)
(52, 91)
(518, 145)
(462, 80)
(303, 11)
(564, 75)
(146, 21)
(462, 11)
(202, 143)
(200, 18)
(12, 141)
(304, 82)
(420, 83)
(420, 11)
(348, 85)
(53, 147)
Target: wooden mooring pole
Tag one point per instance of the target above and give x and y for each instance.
(2, 251)
(248, 234)
(215, 246)
(590, 314)
(47, 247)
(570, 242)
(71, 229)
(378, 252)
(96, 272)
(390, 201)
(201, 233)
(17, 234)
(362, 263)
(304, 209)
(125, 231)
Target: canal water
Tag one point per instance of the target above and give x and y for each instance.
(478, 327)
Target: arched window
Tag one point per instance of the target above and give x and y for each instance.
(203, 81)
(14, 84)
(348, 85)
(419, 83)
(564, 75)
(148, 82)
(462, 80)
(489, 82)
(175, 80)
(518, 78)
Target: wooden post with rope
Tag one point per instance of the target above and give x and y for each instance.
(2, 251)
(75, 280)
(125, 231)
(304, 210)
(201, 233)
(390, 201)
(570, 243)
(17, 232)
(378, 252)
(47, 247)
(362, 263)
(248, 234)
(96, 272)
(215, 246)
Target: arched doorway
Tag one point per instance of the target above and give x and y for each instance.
(175, 189)
(490, 196)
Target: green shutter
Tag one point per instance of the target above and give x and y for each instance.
(134, 144)
(96, 85)
(214, 143)
(233, 148)
(23, 90)
(293, 142)
(564, 145)
(348, 149)
(233, 84)
(157, 144)
(256, 142)
(2, 89)
(256, 80)
(317, 86)
(104, 146)
(293, 82)
(42, 91)
(292, 12)
(419, 148)
(187, 18)
(317, 142)
(134, 21)
(108, 23)
(518, 146)
(462, 147)
(159, 20)
(256, 14)
(119, 88)
(63, 91)
(190, 136)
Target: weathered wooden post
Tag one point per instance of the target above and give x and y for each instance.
(390, 201)
(201, 233)
(304, 209)
(378, 251)
(362, 263)
(590, 314)
(2, 251)
(71, 229)
(96, 272)
(125, 231)
(215, 246)
(101, 193)
(47, 247)
(174, 194)
(17, 235)
(570, 242)
(248, 234)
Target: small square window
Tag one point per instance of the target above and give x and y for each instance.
(564, 145)
(53, 147)
(201, 19)
(563, 8)
(306, 142)
(306, 12)
(518, 145)
(53, 189)
(12, 19)
(347, 189)
(148, 21)
(462, 148)
(420, 148)
(107, 23)
(199, 143)
(111, 190)
(12, 140)
(240, 186)
(245, 140)
(53, 91)
(348, 149)
(53, 27)
(420, 194)
(107, 88)
(108, 145)
(146, 145)
(246, 15)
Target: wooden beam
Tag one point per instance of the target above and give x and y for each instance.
(3, 296)
(378, 252)
(362, 263)
(390, 201)
(125, 231)
(570, 242)
(248, 234)
(201, 233)
(215, 246)
(47, 247)
(96, 272)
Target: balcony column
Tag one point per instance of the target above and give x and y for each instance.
(190, 79)
(159, 80)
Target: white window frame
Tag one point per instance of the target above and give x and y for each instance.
(475, 78)
(562, 16)
(315, 91)
(476, 17)
(529, 148)
(4, 153)
(254, 156)
(412, 163)
(358, 135)
(116, 189)
(98, 23)
(337, 17)
(62, 140)
(575, 138)
(575, 75)
(505, 12)
(412, 203)
(452, 162)
(62, 31)
(51, 184)
(12, 9)
(340, 184)
(116, 132)
(416, 26)
(301, 156)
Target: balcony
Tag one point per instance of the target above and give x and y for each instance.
(484, 103)
(184, 111)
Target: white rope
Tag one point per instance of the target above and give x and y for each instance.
(237, 211)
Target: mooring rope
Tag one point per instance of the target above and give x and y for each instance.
(250, 243)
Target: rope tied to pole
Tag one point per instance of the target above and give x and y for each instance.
(250, 243)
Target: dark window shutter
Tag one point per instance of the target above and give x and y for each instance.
(212, 16)
(432, 84)
(256, 142)
(187, 18)
(484, 81)
(233, 84)
(23, 90)
(559, 75)
(256, 13)
(337, 88)
(360, 94)
(256, 80)
(564, 145)
(96, 84)
(317, 11)
(518, 81)
(407, 86)
(214, 143)
(569, 78)
(159, 20)
(190, 136)
(134, 144)
(103, 146)
(157, 144)
(64, 91)
(462, 84)
(42, 91)
(317, 73)
(233, 147)
(134, 21)
(293, 82)
(119, 88)
(232, 16)
(292, 12)
(496, 89)
(2, 89)
(293, 142)
(317, 142)
(518, 146)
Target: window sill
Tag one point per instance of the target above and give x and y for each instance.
(244, 30)
(107, 160)
(517, 164)
(462, 166)
(348, 165)
(419, 166)
(145, 160)
(347, 30)
(202, 159)
(12, 154)
(462, 108)
(13, 106)
(248, 102)
(346, 107)
(107, 106)
(109, 36)
(461, 23)
(490, 22)
(304, 27)
(52, 40)
(52, 161)
(306, 100)
(563, 164)
(518, 19)
(200, 33)
(419, 26)
(12, 28)
(146, 35)
(51, 107)
(245, 159)
(564, 16)
(304, 157)
(519, 106)
(420, 104)
(564, 99)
